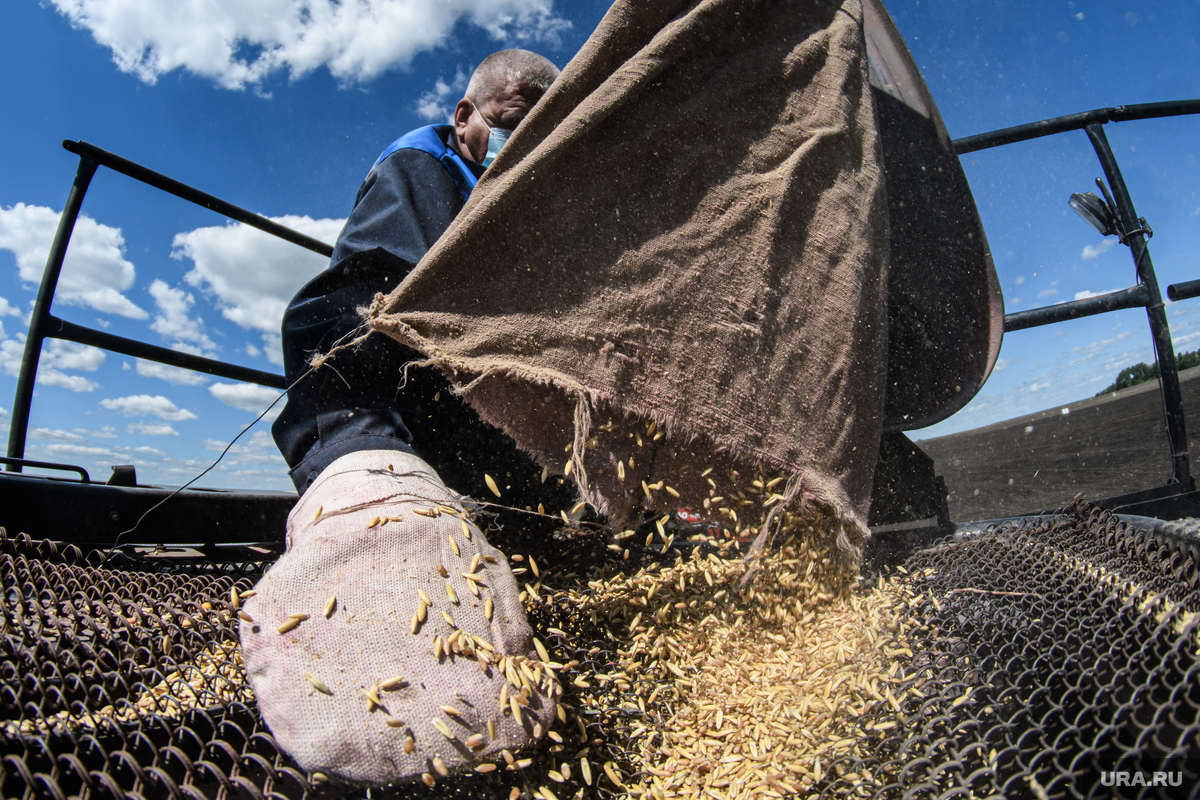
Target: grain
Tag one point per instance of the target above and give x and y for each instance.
(491, 484)
(330, 606)
(317, 683)
(442, 727)
(287, 626)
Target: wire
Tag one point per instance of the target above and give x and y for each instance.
(257, 419)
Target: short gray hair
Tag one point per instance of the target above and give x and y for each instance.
(520, 67)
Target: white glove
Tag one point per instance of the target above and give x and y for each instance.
(356, 541)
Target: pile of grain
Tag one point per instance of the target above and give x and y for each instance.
(725, 691)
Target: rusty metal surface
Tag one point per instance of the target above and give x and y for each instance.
(1045, 649)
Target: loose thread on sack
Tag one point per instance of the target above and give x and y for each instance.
(317, 361)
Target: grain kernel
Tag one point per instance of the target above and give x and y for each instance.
(317, 683)
(441, 727)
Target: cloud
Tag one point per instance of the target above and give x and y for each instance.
(1086, 293)
(175, 320)
(56, 435)
(95, 271)
(258, 449)
(253, 275)
(239, 44)
(175, 375)
(435, 105)
(152, 429)
(248, 397)
(1093, 251)
(57, 355)
(143, 405)
(273, 348)
(1044, 293)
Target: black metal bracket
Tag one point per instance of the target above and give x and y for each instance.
(43, 325)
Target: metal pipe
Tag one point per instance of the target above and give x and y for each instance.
(19, 424)
(1133, 297)
(1164, 350)
(171, 186)
(25, 462)
(1183, 291)
(61, 329)
(1070, 122)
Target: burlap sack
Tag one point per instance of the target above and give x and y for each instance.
(690, 228)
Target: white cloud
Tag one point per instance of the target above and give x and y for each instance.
(95, 271)
(55, 435)
(1085, 294)
(175, 375)
(1093, 251)
(69, 355)
(1044, 293)
(253, 275)
(273, 348)
(74, 383)
(259, 448)
(143, 405)
(57, 355)
(146, 451)
(175, 320)
(239, 43)
(252, 351)
(1020, 279)
(152, 429)
(105, 432)
(61, 451)
(248, 397)
(435, 105)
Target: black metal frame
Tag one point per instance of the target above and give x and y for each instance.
(1146, 293)
(44, 325)
(265, 514)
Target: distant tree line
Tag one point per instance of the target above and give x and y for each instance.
(1140, 373)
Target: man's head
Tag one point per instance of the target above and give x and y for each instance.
(502, 90)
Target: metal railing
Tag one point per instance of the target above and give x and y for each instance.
(1146, 294)
(44, 325)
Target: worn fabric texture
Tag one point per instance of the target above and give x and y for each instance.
(366, 547)
(690, 228)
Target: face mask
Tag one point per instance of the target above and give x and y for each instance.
(496, 139)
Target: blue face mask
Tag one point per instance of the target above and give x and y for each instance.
(496, 139)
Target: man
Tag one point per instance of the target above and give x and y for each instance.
(374, 643)
(409, 198)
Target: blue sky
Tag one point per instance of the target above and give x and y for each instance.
(287, 120)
